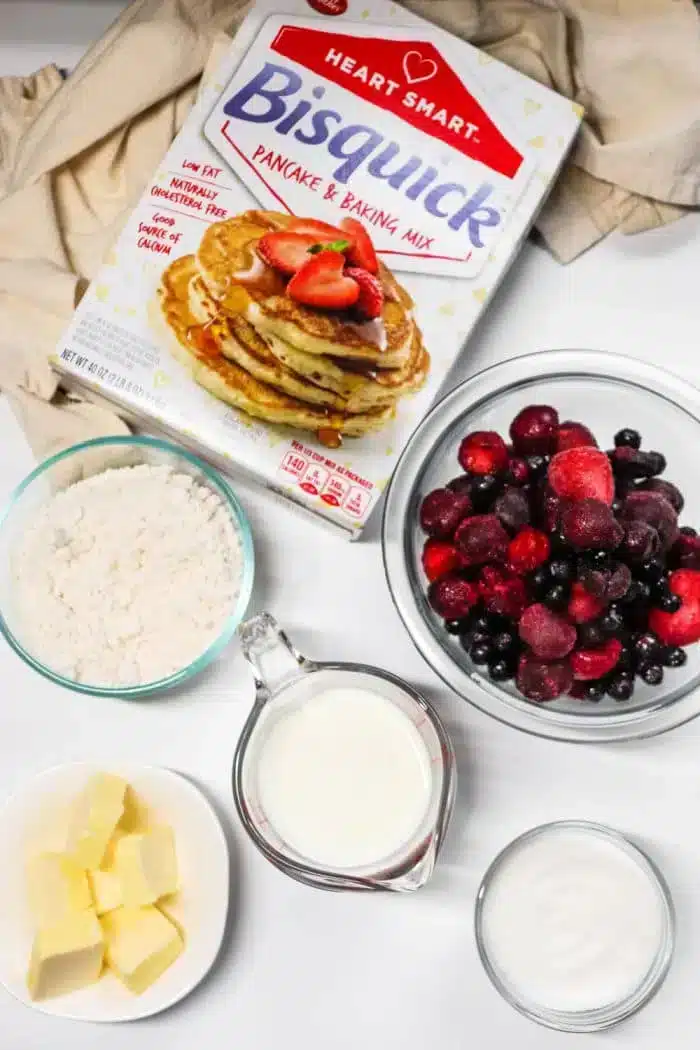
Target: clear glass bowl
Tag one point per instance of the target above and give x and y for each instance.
(592, 1020)
(82, 461)
(606, 392)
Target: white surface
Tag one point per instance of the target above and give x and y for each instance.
(35, 819)
(304, 968)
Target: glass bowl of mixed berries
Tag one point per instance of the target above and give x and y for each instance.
(540, 544)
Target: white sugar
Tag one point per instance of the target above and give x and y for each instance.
(126, 577)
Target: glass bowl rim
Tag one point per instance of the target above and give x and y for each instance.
(486, 384)
(219, 483)
(597, 1019)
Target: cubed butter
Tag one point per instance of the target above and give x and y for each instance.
(56, 887)
(97, 812)
(140, 945)
(147, 866)
(106, 890)
(66, 955)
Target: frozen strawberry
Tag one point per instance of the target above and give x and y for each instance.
(512, 508)
(534, 430)
(286, 252)
(442, 510)
(582, 473)
(655, 510)
(452, 597)
(588, 664)
(321, 283)
(483, 452)
(370, 301)
(550, 636)
(542, 681)
(361, 251)
(583, 606)
(322, 232)
(527, 550)
(590, 525)
(681, 627)
(439, 558)
(666, 489)
(573, 435)
(481, 539)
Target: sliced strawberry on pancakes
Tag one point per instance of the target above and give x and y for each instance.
(320, 231)
(321, 283)
(361, 251)
(371, 298)
(286, 252)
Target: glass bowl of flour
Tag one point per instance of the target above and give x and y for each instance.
(126, 565)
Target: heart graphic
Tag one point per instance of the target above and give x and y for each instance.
(416, 69)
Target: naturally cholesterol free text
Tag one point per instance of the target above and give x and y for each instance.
(271, 97)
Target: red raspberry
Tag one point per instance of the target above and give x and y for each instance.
(442, 510)
(583, 606)
(582, 473)
(542, 681)
(549, 636)
(481, 539)
(533, 431)
(527, 550)
(483, 452)
(452, 597)
(574, 435)
(588, 664)
(682, 627)
(439, 558)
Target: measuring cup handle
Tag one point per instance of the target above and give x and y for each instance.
(270, 653)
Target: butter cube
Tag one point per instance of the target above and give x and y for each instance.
(97, 812)
(146, 866)
(56, 887)
(66, 955)
(140, 945)
(106, 890)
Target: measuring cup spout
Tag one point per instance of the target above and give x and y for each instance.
(271, 655)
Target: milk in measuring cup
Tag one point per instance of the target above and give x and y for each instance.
(344, 777)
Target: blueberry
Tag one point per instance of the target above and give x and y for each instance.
(652, 571)
(590, 635)
(674, 656)
(557, 596)
(481, 623)
(612, 622)
(561, 570)
(540, 582)
(652, 674)
(537, 466)
(647, 647)
(669, 602)
(637, 591)
(501, 670)
(687, 530)
(456, 626)
(483, 491)
(629, 438)
(594, 690)
(627, 660)
(621, 687)
(504, 642)
(481, 652)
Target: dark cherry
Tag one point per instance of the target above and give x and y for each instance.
(561, 570)
(687, 530)
(621, 687)
(481, 652)
(647, 647)
(462, 483)
(537, 467)
(483, 491)
(628, 438)
(502, 670)
(652, 674)
(557, 596)
(674, 656)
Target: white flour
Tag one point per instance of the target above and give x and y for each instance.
(126, 577)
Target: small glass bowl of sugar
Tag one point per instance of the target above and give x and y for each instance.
(126, 565)
(575, 926)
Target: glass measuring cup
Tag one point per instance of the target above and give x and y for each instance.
(284, 681)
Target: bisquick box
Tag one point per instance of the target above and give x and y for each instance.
(317, 104)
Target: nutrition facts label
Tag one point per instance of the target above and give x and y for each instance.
(327, 480)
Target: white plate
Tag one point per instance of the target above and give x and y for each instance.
(34, 818)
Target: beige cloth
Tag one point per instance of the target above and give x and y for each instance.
(75, 155)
